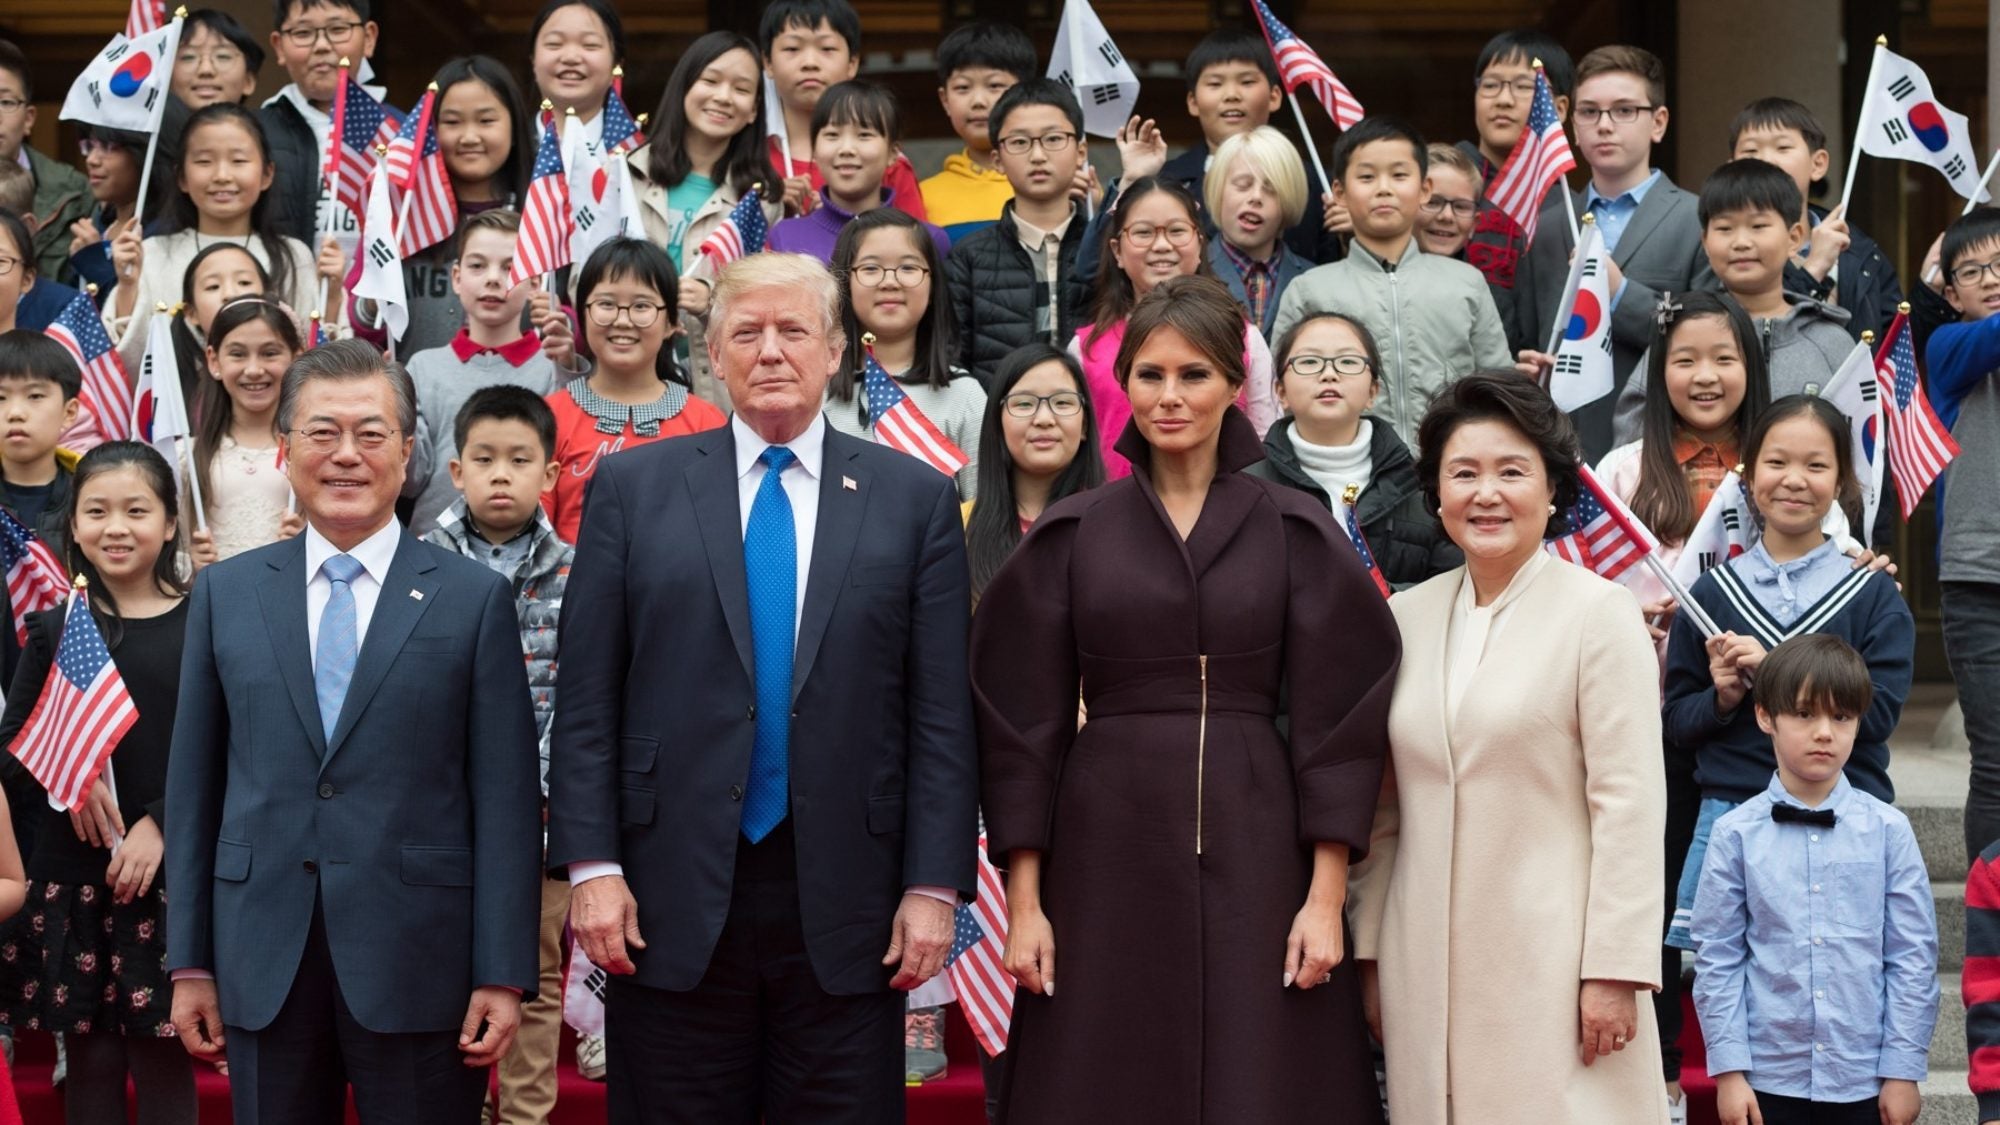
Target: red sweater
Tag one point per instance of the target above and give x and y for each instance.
(590, 428)
(1982, 980)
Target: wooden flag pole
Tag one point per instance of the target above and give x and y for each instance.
(1867, 98)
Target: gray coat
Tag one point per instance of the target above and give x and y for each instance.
(1659, 252)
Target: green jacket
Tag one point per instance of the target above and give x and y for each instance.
(62, 196)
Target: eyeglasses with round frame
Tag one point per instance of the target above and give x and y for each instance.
(1461, 208)
(604, 312)
(1021, 144)
(7, 264)
(909, 275)
(1346, 365)
(1180, 236)
(1062, 404)
(336, 34)
(1588, 115)
(327, 438)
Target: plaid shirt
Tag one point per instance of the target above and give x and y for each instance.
(1257, 279)
(1705, 464)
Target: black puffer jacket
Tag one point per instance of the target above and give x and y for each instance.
(296, 156)
(992, 281)
(1406, 540)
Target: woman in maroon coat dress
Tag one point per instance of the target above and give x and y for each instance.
(1187, 860)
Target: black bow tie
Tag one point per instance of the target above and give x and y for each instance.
(1792, 814)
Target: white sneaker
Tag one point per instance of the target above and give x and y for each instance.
(590, 1057)
(1677, 1111)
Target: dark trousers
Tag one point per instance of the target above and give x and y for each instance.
(1683, 810)
(758, 1039)
(1799, 1111)
(1971, 612)
(296, 1071)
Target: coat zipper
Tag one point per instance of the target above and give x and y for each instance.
(1201, 754)
(1402, 361)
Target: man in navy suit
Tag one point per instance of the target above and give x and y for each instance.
(763, 780)
(354, 849)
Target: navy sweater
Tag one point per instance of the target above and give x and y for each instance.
(1733, 758)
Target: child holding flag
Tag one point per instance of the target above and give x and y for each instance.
(855, 130)
(311, 39)
(890, 274)
(90, 960)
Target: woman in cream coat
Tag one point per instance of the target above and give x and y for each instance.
(1510, 910)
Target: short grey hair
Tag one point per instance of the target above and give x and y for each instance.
(346, 361)
(797, 272)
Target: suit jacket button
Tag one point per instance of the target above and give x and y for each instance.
(312, 868)
(752, 716)
(736, 792)
(325, 790)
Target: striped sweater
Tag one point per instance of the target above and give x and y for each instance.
(1982, 980)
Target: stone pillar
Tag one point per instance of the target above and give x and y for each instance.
(1732, 52)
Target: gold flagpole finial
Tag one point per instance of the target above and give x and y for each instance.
(79, 582)
(1589, 217)
(1537, 64)
(345, 62)
(868, 339)
(90, 287)
(1881, 41)
(160, 307)
(642, 119)
(547, 105)
(617, 72)
(1903, 307)
(181, 13)
(569, 111)
(433, 87)
(381, 150)
(1868, 336)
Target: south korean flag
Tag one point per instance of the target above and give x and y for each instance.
(1902, 120)
(601, 194)
(1090, 64)
(381, 263)
(1583, 371)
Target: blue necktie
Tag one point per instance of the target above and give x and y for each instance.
(339, 640)
(771, 566)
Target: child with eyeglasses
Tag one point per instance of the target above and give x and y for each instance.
(310, 39)
(1445, 227)
(632, 394)
(891, 313)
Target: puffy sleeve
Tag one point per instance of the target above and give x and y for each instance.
(1618, 722)
(1342, 650)
(1025, 677)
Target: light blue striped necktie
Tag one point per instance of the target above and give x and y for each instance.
(339, 640)
(771, 567)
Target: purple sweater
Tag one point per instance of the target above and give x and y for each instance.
(815, 233)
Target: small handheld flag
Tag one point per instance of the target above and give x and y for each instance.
(1604, 536)
(546, 220)
(897, 423)
(381, 266)
(125, 86)
(1855, 392)
(1540, 159)
(35, 580)
(621, 130)
(974, 963)
(1582, 345)
(1919, 445)
(1902, 119)
(81, 714)
(362, 128)
(145, 16)
(1352, 523)
(1300, 65)
(1090, 64)
(160, 416)
(429, 208)
(741, 233)
(106, 390)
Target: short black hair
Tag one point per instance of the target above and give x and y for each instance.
(605, 11)
(647, 263)
(14, 61)
(1975, 228)
(1501, 396)
(1778, 113)
(1378, 127)
(229, 30)
(31, 355)
(1817, 671)
(1524, 45)
(856, 102)
(988, 43)
(1229, 45)
(506, 403)
(808, 14)
(1750, 185)
(283, 8)
(1034, 91)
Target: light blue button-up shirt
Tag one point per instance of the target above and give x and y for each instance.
(1787, 590)
(1816, 949)
(1615, 212)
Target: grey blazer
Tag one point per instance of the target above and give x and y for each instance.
(1659, 252)
(414, 829)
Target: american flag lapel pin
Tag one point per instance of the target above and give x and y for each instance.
(848, 484)
(416, 595)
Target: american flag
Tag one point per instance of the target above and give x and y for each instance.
(1919, 445)
(621, 132)
(426, 202)
(361, 125)
(106, 390)
(742, 232)
(1300, 65)
(1603, 535)
(81, 714)
(315, 336)
(35, 580)
(979, 936)
(547, 222)
(898, 423)
(1353, 524)
(1540, 158)
(145, 16)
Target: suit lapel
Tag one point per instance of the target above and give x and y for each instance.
(1645, 220)
(407, 594)
(718, 513)
(282, 594)
(835, 532)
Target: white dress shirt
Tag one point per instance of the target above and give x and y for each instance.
(374, 553)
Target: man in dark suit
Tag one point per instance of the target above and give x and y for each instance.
(763, 779)
(354, 841)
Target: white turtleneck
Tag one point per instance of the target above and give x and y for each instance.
(1335, 467)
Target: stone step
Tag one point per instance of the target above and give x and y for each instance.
(1948, 1041)
(1949, 899)
(1940, 831)
(1948, 1100)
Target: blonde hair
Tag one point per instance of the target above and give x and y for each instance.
(798, 272)
(1271, 156)
(1443, 155)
